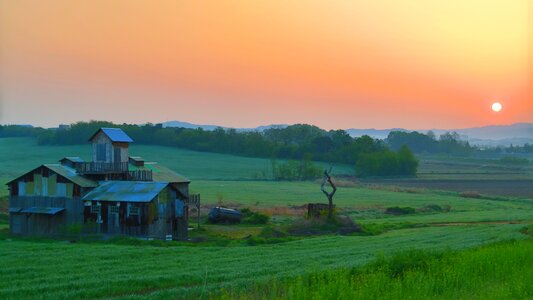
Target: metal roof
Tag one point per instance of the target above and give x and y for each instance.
(67, 172)
(160, 173)
(75, 159)
(43, 210)
(115, 134)
(72, 175)
(127, 191)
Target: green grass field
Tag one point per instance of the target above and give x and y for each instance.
(32, 269)
(18, 155)
(52, 269)
(499, 271)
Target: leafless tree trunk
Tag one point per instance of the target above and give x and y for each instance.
(327, 178)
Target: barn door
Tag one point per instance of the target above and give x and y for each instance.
(116, 155)
(113, 219)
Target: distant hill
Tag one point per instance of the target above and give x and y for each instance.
(496, 132)
(502, 142)
(374, 133)
(494, 135)
(189, 125)
(213, 127)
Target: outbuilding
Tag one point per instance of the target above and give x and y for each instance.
(114, 194)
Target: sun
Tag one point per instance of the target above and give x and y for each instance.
(496, 106)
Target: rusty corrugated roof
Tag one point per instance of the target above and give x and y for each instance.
(126, 191)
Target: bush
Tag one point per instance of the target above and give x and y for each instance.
(396, 210)
(387, 163)
(251, 217)
(435, 208)
(296, 170)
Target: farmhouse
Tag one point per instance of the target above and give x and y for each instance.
(114, 194)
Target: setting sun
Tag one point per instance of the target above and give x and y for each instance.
(496, 106)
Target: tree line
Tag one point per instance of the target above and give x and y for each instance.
(447, 143)
(299, 143)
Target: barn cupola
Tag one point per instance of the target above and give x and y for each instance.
(110, 145)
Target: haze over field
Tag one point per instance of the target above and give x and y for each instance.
(347, 64)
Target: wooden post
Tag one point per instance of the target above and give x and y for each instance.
(198, 211)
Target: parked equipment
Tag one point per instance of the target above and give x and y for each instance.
(224, 215)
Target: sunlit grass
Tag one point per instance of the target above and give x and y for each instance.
(500, 271)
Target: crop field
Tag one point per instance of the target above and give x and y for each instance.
(438, 167)
(491, 177)
(505, 187)
(62, 270)
(435, 218)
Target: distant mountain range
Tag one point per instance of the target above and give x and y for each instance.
(493, 135)
(213, 127)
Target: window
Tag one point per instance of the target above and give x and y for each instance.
(22, 188)
(61, 189)
(96, 209)
(100, 152)
(114, 209)
(117, 156)
(44, 186)
(134, 211)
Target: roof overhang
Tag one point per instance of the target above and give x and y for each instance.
(126, 191)
(42, 210)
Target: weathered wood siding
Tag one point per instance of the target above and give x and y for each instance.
(43, 224)
(102, 139)
(38, 184)
(166, 214)
(182, 188)
(110, 148)
(124, 151)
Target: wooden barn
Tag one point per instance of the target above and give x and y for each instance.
(114, 194)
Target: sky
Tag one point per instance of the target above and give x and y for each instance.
(414, 64)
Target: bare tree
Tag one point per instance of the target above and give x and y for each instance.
(327, 178)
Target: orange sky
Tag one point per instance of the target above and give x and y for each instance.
(335, 64)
